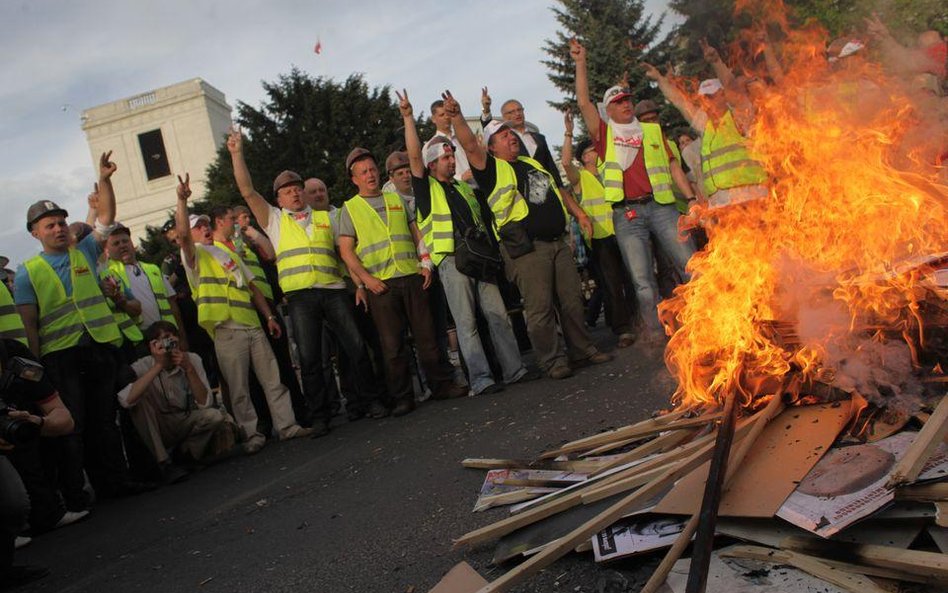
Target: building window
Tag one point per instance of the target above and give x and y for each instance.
(154, 155)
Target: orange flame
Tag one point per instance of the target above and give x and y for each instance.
(852, 193)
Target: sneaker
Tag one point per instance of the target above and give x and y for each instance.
(17, 576)
(21, 541)
(70, 517)
(253, 445)
(492, 388)
(452, 391)
(377, 410)
(626, 340)
(403, 407)
(560, 372)
(298, 432)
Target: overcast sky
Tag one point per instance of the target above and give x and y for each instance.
(63, 57)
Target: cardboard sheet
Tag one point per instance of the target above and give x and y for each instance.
(785, 451)
(460, 579)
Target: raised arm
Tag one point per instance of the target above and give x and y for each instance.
(412, 142)
(586, 107)
(566, 154)
(181, 223)
(476, 153)
(485, 107)
(106, 210)
(262, 243)
(674, 96)
(93, 201)
(770, 56)
(711, 56)
(256, 203)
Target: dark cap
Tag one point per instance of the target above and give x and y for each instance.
(40, 209)
(396, 160)
(645, 106)
(120, 228)
(357, 153)
(286, 178)
(168, 226)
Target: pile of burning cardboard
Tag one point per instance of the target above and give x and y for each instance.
(800, 490)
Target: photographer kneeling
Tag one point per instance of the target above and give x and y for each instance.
(30, 408)
(169, 404)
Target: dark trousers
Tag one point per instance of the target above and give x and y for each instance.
(85, 378)
(46, 508)
(309, 309)
(14, 507)
(619, 299)
(405, 306)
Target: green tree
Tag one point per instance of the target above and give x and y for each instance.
(618, 36)
(308, 125)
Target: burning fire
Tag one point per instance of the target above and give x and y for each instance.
(853, 194)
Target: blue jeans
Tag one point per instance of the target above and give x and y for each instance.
(308, 309)
(463, 292)
(660, 222)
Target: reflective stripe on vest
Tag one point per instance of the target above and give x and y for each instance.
(218, 297)
(657, 166)
(11, 324)
(725, 162)
(306, 259)
(250, 260)
(593, 201)
(438, 228)
(62, 319)
(385, 250)
(505, 200)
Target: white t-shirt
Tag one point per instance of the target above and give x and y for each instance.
(627, 139)
(140, 286)
(304, 218)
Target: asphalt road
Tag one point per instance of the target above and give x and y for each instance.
(370, 508)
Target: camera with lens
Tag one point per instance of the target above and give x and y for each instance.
(168, 344)
(17, 431)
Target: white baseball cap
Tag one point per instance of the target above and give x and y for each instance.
(710, 86)
(194, 219)
(436, 148)
(493, 127)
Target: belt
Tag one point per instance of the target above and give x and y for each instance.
(637, 200)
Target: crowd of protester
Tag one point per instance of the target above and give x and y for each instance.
(270, 318)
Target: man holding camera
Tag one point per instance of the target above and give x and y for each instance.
(169, 402)
(30, 408)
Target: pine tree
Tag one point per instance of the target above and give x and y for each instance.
(618, 36)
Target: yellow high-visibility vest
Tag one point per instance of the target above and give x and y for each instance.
(386, 249)
(593, 202)
(725, 162)
(217, 295)
(657, 166)
(304, 260)
(155, 281)
(438, 228)
(505, 200)
(64, 319)
(127, 325)
(11, 324)
(250, 260)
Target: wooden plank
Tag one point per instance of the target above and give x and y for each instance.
(770, 532)
(923, 492)
(931, 436)
(611, 435)
(849, 581)
(582, 466)
(929, 564)
(634, 481)
(941, 514)
(760, 421)
(635, 431)
(505, 498)
(660, 443)
(787, 449)
(557, 549)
